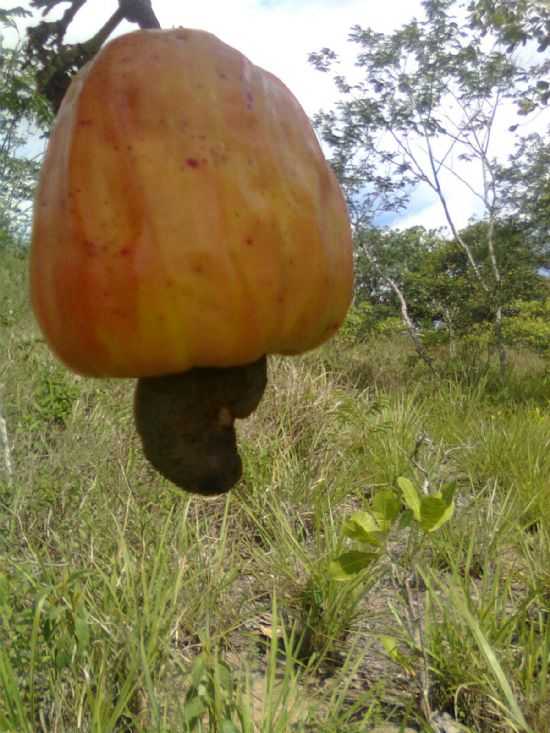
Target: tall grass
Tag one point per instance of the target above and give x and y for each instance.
(127, 605)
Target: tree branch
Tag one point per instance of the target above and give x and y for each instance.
(60, 62)
(140, 12)
(405, 316)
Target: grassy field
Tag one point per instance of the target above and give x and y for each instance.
(126, 605)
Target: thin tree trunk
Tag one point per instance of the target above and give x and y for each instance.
(5, 448)
(499, 339)
(411, 328)
(405, 317)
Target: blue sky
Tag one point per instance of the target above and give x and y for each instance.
(278, 35)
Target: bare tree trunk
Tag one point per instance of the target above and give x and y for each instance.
(411, 328)
(5, 447)
(405, 317)
(499, 338)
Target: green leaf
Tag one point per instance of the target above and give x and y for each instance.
(363, 527)
(406, 519)
(434, 512)
(385, 508)
(198, 672)
(410, 496)
(224, 676)
(349, 564)
(448, 492)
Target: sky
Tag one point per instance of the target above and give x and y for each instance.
(279, 35)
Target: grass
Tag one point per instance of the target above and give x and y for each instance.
(127, 605)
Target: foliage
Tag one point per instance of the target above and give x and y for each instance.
(515, 25)
(22, 112)
(444, 297)
(389, 252)
(425, 109)
(528, 324)
(371, 528)
(429, 93)
(526, 191)
(359, 323)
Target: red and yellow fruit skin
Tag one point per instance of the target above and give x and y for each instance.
(185, 214)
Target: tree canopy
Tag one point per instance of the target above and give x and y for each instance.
(23, 113)
(432, 103)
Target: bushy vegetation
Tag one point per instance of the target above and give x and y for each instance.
(128, 605)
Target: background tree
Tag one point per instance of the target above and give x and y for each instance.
(446, 295)
(22, 112)
(431, 273)
(384, 260)
(515, 23)
(519, 24)
(426, 109)
(525, 185)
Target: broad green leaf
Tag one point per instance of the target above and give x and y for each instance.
(434, 512)
(448, 492)
(198, 672)
(406, 519)
(223, 674)
(385, 508)
(363, 527)
(349, 564)
(410, 496)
